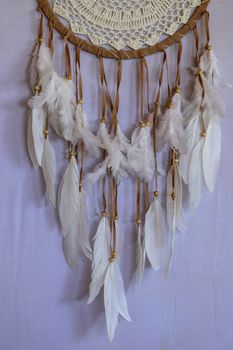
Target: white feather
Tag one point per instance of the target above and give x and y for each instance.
(180, 220)
(155, 234)
(114, 298)
(83, 230)
(115, 160)
(30, 142)
(82, 132)
(48, 164)
(71, 249)
(196, 177)
(170, 129)
(59, 95)
(211, 153)
(209, 65)
(69, 198)
(101, 255)
(140, 154)
(171, 218)
(37, 124)
(141, 254)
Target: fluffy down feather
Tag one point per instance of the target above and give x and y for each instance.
(115, 160)
(81, 131)
(140, 154)
(170, 129)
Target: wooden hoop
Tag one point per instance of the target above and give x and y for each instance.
(45, 7)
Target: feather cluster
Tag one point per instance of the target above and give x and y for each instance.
(200, 165)
(106, 273)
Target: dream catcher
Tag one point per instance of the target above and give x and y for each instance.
(189, 131)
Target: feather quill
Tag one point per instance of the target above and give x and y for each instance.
(141, 254)
(48, 164)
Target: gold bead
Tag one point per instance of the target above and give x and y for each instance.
(203, 134)
(173, 195)
(40, 40)
(69, 77)
(81, 102)
(138, 221)
(71, 154)
(46, 132)
(111, 259)
(114, 254)
(142, 125)
(37, 88)
(104, 214)
(156, 194)
(157, 104)
(177, 160)
(209, 47)
(103, 121)
(148, 123)
(177, 90)
(169, 105)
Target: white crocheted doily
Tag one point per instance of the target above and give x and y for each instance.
(122, 23)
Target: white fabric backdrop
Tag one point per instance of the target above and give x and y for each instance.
(43, 302)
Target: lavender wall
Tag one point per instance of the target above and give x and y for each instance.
(43, 302)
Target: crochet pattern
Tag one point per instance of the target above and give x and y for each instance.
(121, 24)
